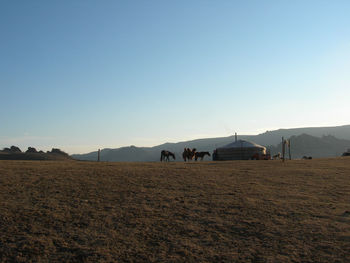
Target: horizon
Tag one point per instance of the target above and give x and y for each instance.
(83, 75)
(95, 149)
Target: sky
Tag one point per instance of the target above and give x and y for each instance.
(82, 75)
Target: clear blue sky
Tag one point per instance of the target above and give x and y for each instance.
(82, 75)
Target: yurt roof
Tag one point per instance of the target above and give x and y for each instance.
(243, 144)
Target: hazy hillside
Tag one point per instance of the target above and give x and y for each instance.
(271, 138)
(274, 137)
(306, 145)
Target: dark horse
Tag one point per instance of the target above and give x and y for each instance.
(188, 154)
(200, 155)
(165, 155)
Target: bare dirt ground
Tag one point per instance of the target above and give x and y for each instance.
(242, 211)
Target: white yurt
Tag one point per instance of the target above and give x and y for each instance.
(238, 150)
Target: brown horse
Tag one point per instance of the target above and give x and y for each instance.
(200, 155)
(188, 154)
(165, 156)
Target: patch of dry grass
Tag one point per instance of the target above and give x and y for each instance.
(242, 211)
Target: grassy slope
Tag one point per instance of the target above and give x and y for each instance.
(245, 211)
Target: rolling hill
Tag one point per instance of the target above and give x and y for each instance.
(306, 145)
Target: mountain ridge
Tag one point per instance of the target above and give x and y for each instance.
(269, 139)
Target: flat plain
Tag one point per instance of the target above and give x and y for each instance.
(239, 211)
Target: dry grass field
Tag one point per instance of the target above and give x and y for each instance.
(242, 211)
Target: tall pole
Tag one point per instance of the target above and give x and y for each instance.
(290, 156)
(283, 149)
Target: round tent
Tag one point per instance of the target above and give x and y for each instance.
(238, 150)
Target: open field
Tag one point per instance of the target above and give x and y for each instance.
(242, 211)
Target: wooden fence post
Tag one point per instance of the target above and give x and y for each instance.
(283, 149)
(290, 156)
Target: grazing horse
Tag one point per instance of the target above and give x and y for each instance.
(165, 155)
(188, 154)
(200, 155)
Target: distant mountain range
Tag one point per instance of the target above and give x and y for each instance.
(317, 142)
(307, 145)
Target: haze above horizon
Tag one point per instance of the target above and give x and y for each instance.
(84, 75)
